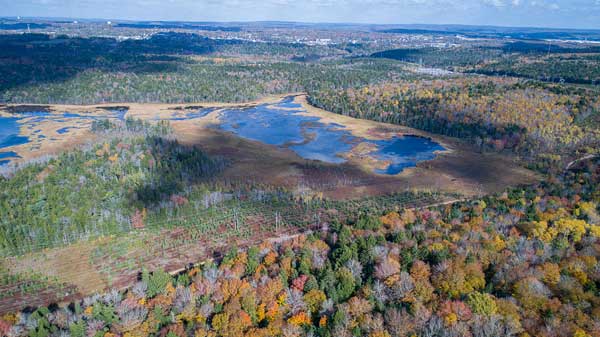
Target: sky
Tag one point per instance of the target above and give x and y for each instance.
(523, 13)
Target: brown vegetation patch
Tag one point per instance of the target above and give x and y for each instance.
(15, 109)
(38, 298)
(116, 107)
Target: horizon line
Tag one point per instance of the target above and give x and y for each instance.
(50, 18)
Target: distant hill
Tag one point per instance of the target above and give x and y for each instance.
(22, 25)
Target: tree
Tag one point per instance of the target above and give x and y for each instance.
(482, 304)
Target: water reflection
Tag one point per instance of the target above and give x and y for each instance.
(282, 124)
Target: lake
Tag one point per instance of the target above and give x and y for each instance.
(283, 124)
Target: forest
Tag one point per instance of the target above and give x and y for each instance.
(205, 81)
(169, 68)
(29, 60)
(39, 58)
(524, 262)
(568, 68)
(448, 58)
(496, 114)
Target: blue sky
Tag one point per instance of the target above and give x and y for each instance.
(541, 13)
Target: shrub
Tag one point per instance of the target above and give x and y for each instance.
(345, 284)
(77, 329)
(157, 282)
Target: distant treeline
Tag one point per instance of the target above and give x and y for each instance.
(501, 32)
(544, 61)
(27, 58)
(437, 57)
(173, 25)
(164, 68)
(419, 31)
(22, 25)
(545, 47)
(497, 114)
(45, 46)
(461, 56)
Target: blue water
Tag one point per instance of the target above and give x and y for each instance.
(8, 154)
(267, 125)
(63, 130)
(9, 136)
(283, 125)
(9, 132)
(405, 152)
(4, 155)
(326, 144)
